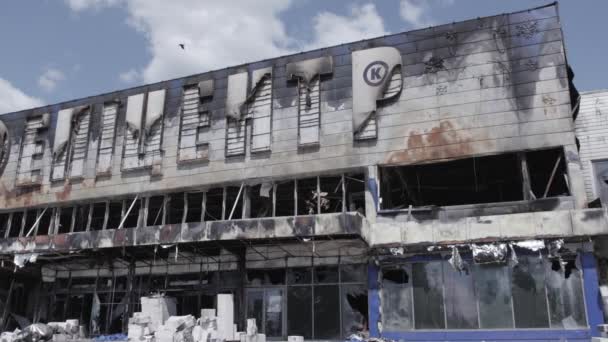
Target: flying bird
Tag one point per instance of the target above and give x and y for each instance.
(182, 46)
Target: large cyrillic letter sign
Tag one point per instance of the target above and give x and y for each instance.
(107, 137)
(255, 106)
(143, 132)
(376, 78)
(71, 143)
(308, 75)
(195, 122)
(5, 146)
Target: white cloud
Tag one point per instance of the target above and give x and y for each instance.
(417, 13)
(219, 34)
(129, 76)
(414, 12)
(13, 99)
(49, 79)
(331, 29)
(81, 5)
(216, 34)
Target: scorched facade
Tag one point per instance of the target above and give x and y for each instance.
(424, 185)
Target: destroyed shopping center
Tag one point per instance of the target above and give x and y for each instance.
(425, 185)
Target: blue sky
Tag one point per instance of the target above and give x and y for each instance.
(57, 50)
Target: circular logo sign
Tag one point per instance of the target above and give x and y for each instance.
(375, 73)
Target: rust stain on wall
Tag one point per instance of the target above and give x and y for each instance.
(65, 193)
(440, 142)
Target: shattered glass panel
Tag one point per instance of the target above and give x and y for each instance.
(354, 309)
(274, 313)
(353, 273)
(565, 295)
(327, 312)
(255, 307)
(428, 295)
(326, 274)
(494, 295)
(299, 311)
(529, 295)
(299, 275)
(396, 299)
(460, 301)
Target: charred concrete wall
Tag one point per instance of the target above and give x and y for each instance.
(476, 87)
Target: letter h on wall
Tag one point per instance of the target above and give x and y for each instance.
(247, 102)
(143, 132)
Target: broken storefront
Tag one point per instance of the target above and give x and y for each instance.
(420, 186)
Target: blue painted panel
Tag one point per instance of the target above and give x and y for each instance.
(373, 299)
(372, 185)
(593, 299)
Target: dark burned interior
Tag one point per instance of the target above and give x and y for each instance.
(490, 179)
(319, 298)
(306, 196)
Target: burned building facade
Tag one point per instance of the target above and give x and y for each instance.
(424, 185)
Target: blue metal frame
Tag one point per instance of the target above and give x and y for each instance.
(592, 301)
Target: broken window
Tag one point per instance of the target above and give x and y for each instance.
(460, 301)
(195, 206)
(396, 299)
(81, 218)
(261, 197)
(273, 276)
(4, 223)
(175, 208)
(308, 196)
(339, 301)
(131, 209)
(285, 198)
(234, 203)
(327, 312)
(114, 214)
(465, 181)
(354, 309)
(355, 192)
(98, 215)
(548, 173)
(529, 295)
(30, 219)
(494, 296)
(565, 297)
(331, 195)
(16, 224)
(490, 179)
(428, 295)
(46, 221)
(214, 204)
(299, 311)
(65, 220)
(156, 210)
